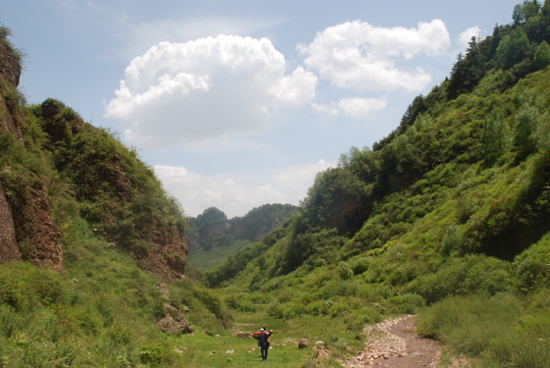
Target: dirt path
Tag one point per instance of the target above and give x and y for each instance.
(393, 343)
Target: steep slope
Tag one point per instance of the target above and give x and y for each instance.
(455, 203)
(87, 218)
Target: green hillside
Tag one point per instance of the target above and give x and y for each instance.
(92, 247)
(447, 216)
(212, 237)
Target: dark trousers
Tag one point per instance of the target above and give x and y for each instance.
(265, 349)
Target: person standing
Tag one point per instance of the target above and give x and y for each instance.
(263, 341)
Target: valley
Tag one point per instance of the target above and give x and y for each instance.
(430, 248)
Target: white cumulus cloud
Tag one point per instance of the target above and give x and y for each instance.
(359, 55)
(465, 37)
(205, 89)
(358, 107)
(324, 109)
(234, 195)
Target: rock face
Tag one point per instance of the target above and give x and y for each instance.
(167, 253)
(8, 245)
(174, 321)
(38, 236)
(27, 231)
(10, 69)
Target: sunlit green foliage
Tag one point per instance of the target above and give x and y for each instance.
(450, 208)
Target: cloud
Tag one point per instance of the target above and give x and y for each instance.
(296, 180)
(210, 88)
(234, 195)
(140, 36)
(358, 55)
(465, 37)
(324, 109)
(358, 107)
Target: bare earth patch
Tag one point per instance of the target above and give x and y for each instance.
(393, 343)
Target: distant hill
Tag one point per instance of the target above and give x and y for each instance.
(212, 237)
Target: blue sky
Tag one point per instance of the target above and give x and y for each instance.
(240, 103)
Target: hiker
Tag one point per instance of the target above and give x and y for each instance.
(263, 341)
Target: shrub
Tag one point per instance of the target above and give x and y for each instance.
(344, 271)
(361, 265)
(339, 288)
(407, 303)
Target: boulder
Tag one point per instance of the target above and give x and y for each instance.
(303, 343)
(243, 335)
(174, 321)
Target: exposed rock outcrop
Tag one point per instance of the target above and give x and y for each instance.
(37, 234)
(8, 244)
(167, 253)
(174, 322)
(10, 69)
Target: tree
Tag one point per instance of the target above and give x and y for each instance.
(527, 121)
(522, 12)
(542, 56)
(496, 136)
(512, 49)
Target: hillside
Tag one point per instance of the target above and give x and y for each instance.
(448, 215)
(92, 248)
(212, 238)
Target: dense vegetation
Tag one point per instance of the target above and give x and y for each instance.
(448, 215)
(101, 310)
(212, 238)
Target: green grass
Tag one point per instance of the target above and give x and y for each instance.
(206, 260)
(285, 332)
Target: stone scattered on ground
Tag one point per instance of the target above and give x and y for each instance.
(321, 351)
(393, 343)
(243, 335)
(303, 343)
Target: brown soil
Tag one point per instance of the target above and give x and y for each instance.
(393, 343)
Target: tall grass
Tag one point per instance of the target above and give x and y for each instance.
(502, 330)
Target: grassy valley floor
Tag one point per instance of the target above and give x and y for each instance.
(198, 349)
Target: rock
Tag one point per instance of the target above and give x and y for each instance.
(174, 321)
(231, 351)
(303, 343)
(321, 352)
(10, 69)
(35, 229)
(319, 343)
(243, 335)
(50, 109)
(9, 251)
(167, 254)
